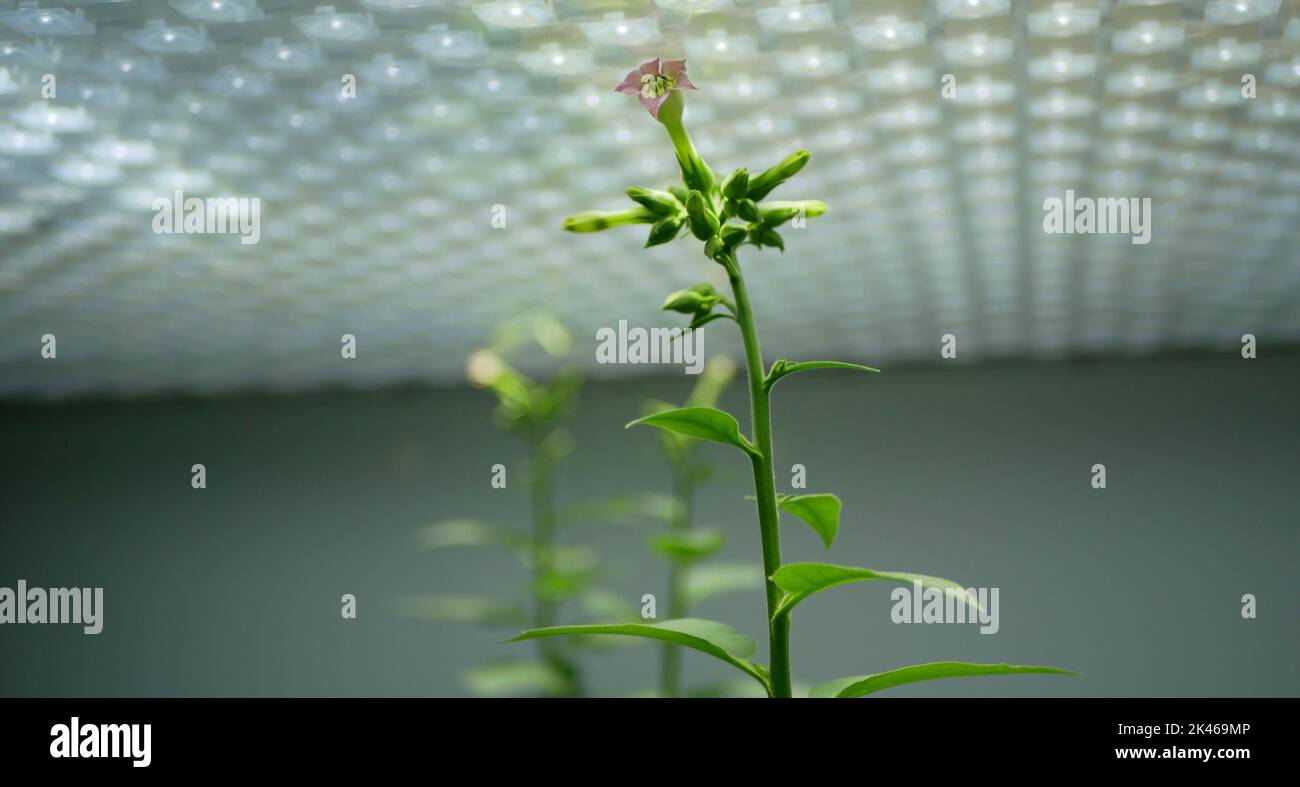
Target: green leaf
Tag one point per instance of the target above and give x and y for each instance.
(821, 512)
(464, 609)
(569, 571)
(704, 319)
(509, 678)
(687, 545)
(783, 367)
(706, 580)
(865, 684)
(466, 533)
(707, 636)
(622, 509)
(707, 423)
(801, 580)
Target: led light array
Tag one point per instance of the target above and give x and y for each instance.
(413, 160)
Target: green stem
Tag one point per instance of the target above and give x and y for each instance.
(764, 482)
(683, 493)
(541, 489)
(695, 172)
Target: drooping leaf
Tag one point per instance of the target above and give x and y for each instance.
(706, 580)
(707, 636)
(801, 580)
(465, 609)
(687, 545)
(821, 512)
(467, 533)
(706, 423)
(504, 679)
(866, 684)
(782, 367)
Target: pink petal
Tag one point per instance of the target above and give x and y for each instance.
(673, 67)
(653, 104)
(631, 84)
(650, 67)
(684, 81)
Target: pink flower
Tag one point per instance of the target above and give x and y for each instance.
(653, 82)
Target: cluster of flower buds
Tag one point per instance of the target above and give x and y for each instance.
(723, 215)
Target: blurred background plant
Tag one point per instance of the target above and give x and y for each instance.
(532, 411)
(685, 545)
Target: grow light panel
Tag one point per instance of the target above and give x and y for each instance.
(413, 160)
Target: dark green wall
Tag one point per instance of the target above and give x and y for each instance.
(980, 474)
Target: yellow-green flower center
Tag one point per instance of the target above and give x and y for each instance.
(655, 85)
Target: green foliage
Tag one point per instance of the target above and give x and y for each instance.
(505, 679)
(706, 580)
(464, 609)
(707, 636)
(863, 685)
(821, 512)
(706, 423)
(624, 509)
(467, 533)
(801, 580)
(782, 368)
(687, 545)
(724, 217)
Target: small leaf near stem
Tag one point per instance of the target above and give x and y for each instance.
(782, 368)
(707, 423)
(821, 512)
(801, 580)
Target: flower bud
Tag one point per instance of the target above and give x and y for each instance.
(776, 213)
(713, 247)
(661, 202)
(597, 220)
(686, 302)
(747, 209)
(736, 185)
(665, 230)
(732, 236)
(704, 224)
(763, 183)
(762, 235)
(695, 173)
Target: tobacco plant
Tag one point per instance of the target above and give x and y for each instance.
(725, 215)
(531, 410)
(684, 544)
